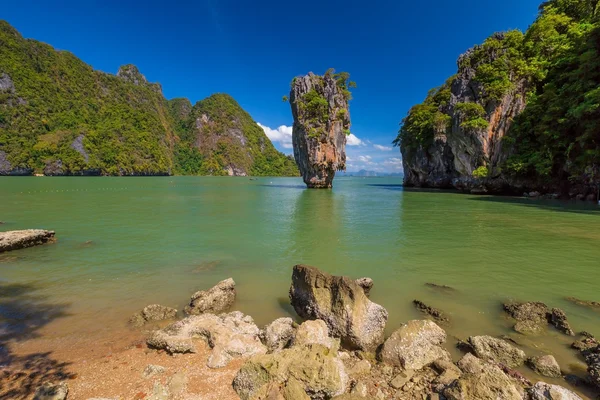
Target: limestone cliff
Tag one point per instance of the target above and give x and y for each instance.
(468, 126)
(321, 123)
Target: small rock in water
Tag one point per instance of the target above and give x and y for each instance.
(49, 391)
(215, 300)
(436, 314)
(443, 288)
(366, 284)
(14, 240)
(584, 303)
(531, 317)
(545, 366)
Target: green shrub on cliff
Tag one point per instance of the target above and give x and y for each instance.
(481, 172)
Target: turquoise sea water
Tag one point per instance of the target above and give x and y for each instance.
(124, 243)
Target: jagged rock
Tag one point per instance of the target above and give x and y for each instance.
(434, 313)
(497, 350)
(278, 334)
(584, 303)
(401, 379)
(153, 312)
(131, 73)
(470, 364)
(545, 391)
(558, 318)
(415, 345)
(341, 303)
(321, 121)
(362, 367)
(14, 240)
(317, 370)
(545, 366)
(592, 359)
(232, 335)
(49, 391)
(217, 299)
(366, 284)
(152, 370)
(586, 343)
(449, 372)
(531, 317)
(487, 383)
(315, 332)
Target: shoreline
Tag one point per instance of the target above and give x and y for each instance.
(120, 356)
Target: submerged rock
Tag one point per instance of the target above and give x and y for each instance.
(49, 391)
(497, 350)
(545, 391)
(312, 370)
(415, 345)
(558, 318)
(153, 312)
(341, 303)
(14, 240)
(278, 334)
(584, 303)
(434, 313)
(443, 288)
(531, 317)
(545, 366)
(230, 336)
(217, 299)
(321, 124)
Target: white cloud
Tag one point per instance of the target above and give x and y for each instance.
(283, 135)
(394, 162)
(354, 141)
(382, 148)
(364, 159)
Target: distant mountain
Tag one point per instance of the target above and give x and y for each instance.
(59, 116)
(366, 173)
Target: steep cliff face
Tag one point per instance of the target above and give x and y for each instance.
(521, 114)
(321, 123)
(468, 124)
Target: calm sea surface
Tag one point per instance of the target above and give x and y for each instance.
(124, 243)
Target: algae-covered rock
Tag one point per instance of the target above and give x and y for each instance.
(341, 303)
(215, 300)
(531, 317)
(415, 345)
(497, 350)
(315, 368)
(545, 365)
(153, 312)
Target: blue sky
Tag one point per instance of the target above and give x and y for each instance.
(395, 50)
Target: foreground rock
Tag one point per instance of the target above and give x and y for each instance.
(341, 303)
(278, 334)
(15, 240)
(491, 349)
(300, 372)
(415, 345)
(533, 318)
(545, 391)
(153, 312)
(230, 336)
(49, 391)
(321, 124)
(545, 366)
(217, 299)
(482, 381)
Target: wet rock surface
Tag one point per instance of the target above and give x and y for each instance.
(533, 318)
(15, 240)
(437, 315)
(545, 366)
(153, 312)
(497, 350)
(217, 299)
(341, 303)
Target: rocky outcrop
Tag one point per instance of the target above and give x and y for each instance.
(415, 345)
(533, 318)
(153, 312)
(215, 300)
(545, 366)
(14, 240)
(341, 303)
(558, 318)
(491, 349)
(457, 148)
(321, 123)
(312, 371)
(584, 303)
(230, 336)
(545, 391)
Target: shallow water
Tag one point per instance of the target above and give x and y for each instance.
(126, 242)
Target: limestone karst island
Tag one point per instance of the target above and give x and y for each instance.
(300, 201)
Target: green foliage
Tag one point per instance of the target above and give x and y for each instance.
(315, 106)
(124, 125)
(472, 116)
(284, 99)
(347, 132)
(481, 172)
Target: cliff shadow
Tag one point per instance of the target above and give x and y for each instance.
(23, 312)
(566, 206)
